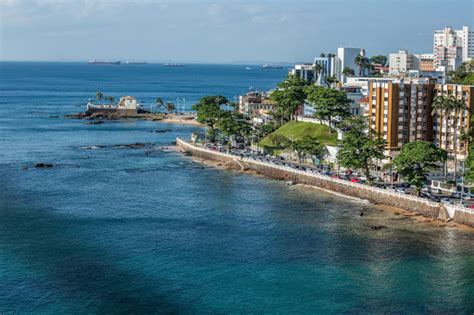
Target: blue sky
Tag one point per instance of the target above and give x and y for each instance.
(220, 31)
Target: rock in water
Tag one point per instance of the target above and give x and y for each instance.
(43, 165)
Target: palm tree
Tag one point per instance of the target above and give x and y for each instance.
(110, 98)
(442, 106)
(457, 106)
(159, 102)
(317, 68)
(362, 62)
(348, 72)
(99, 96)
(170, 107)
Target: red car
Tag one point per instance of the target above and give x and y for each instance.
(355, 180)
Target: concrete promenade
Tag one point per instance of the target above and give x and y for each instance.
(374, 195)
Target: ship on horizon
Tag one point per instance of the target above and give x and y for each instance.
(269, 66)
(128, 62)
(173, 65)
(104, 62)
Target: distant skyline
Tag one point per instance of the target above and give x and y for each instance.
(238, 31)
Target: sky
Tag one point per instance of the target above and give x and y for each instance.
(225, 31)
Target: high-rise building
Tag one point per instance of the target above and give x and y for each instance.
(402, 62)
(445, 43)
(345, 59)
(446, 135)
(401, 112)
(328, 64)
(425, 62)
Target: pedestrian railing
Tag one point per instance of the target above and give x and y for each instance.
(372, 189)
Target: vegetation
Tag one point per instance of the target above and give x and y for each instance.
(309, 146)
(464, 74)
(329, 103)
(294, 131)
(170, 107)
(446, 105)
(317, 71)
(362, 62)
(416, 160)
(99, 96)
(233, 124)
(348, 72)
(379, 59)
(360, 147)
(288, 97)
(159, 102)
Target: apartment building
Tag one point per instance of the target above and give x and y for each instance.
(401, 112)
(445, 42)
(255, 104)
(345, 59)
(447, 135)
(305, 71)
(401, 62)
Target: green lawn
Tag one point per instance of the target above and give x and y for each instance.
(297, 130)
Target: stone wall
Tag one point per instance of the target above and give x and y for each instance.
(372, 194)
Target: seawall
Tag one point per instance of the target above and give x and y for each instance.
(374, 195)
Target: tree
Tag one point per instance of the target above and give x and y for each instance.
(441, 108)
(379, 59)
(329, 103)
(159, 102)
(214, 100)
(464, 74)
(362, 62)
(110, 98)
(317, 69)
(99, 96)
(415, 161)
(348, 72)
(309, 146)
(209, 114)
(233, 124)
(360, 147)
(457, 107)
(170, 107)
(322, 55)
(289, 96)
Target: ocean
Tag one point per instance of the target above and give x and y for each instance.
(113, 229)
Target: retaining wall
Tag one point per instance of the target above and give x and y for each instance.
(372, 194)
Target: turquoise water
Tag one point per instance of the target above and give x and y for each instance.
(120, 230)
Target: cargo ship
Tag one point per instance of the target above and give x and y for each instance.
(128, 62)
(173, 65)
(106, 62)
(267, 66)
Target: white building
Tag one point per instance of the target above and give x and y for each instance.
(328, 65)
(304, 71)
(402, 62)
(445, 43)
(345, 58)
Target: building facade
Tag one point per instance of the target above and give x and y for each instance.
(345, 58)
(402, 62)
(447, 134)
(255, 104)
(401, 112)
(446, 42)
(305, 71)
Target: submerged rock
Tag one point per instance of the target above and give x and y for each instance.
(377, 227)
(43, 165)
(98, 122)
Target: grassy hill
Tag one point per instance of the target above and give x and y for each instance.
(297, 130)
